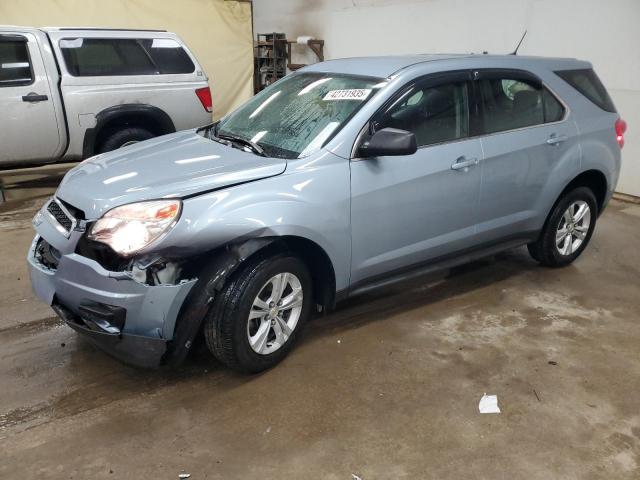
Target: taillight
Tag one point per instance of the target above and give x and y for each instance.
(204, 94)
(621, 127)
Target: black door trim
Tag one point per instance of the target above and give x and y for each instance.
(508, 73)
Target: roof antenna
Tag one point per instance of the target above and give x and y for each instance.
(515, 52)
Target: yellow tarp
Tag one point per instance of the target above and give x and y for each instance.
(218, 32)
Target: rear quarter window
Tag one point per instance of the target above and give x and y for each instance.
(588, 84)
(91, 57)
(168, 55)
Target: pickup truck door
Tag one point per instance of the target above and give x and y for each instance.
(29, 129)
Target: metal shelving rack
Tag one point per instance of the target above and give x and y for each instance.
(270, 59)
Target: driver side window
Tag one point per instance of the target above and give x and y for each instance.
(435, 114)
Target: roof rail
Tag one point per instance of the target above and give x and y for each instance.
(112, 29)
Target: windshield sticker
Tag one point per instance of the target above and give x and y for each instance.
(350, 94)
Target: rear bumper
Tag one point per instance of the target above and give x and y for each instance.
(146, 315)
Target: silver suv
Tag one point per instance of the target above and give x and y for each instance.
(67, 94)
(340, 178)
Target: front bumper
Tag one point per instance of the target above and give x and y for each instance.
(135, 350)
(77, 282)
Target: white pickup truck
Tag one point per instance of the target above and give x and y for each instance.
(67, 94)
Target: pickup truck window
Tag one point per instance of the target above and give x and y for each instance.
(168, 55)
(92, 57)
(15, 67)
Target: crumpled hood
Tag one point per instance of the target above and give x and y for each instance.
(171, 166)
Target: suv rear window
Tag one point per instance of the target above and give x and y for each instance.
(588, 84)
(94, 57)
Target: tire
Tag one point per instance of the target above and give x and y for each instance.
(120, 138)
(566, 249)
(227, 326)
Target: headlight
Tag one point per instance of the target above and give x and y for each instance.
(130, 228)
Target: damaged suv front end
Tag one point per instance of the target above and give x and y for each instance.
(134, 244)
(126, 306)
(102, 258)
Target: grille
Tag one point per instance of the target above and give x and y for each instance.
(61, 217)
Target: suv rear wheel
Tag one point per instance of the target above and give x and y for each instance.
(568, 229)
(125, 136)
(257, 317)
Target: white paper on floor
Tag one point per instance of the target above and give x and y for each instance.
(489, 404)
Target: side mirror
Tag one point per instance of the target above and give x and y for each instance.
(389, 142)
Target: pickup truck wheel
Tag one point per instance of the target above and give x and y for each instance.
(124, 137)
(257, 317)
(568, 229)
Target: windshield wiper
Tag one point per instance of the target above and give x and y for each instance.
(234, 138)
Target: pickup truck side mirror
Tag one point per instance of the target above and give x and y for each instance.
(389, 142)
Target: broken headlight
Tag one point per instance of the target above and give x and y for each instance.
(130, 228)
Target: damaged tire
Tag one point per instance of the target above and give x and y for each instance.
(257, 317)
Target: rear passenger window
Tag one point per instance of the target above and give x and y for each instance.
(588, 84)
(168, 55)
(91, 57)
(15, 67)
(508, 104)
(434, 114)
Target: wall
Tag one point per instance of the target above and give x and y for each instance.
(218, 32)
(603, 32)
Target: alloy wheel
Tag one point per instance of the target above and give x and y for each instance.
(275, 313)
(573, 227)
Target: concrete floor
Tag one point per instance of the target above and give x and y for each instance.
(386, 387)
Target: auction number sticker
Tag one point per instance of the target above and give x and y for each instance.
(350, 94)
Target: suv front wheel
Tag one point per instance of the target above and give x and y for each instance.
(568, 229)
(257, 317)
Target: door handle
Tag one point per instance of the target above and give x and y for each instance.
(556, 139)
(33, 97)
(464, 163)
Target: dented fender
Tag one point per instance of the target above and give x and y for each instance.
(310, 200)
(213, 276)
